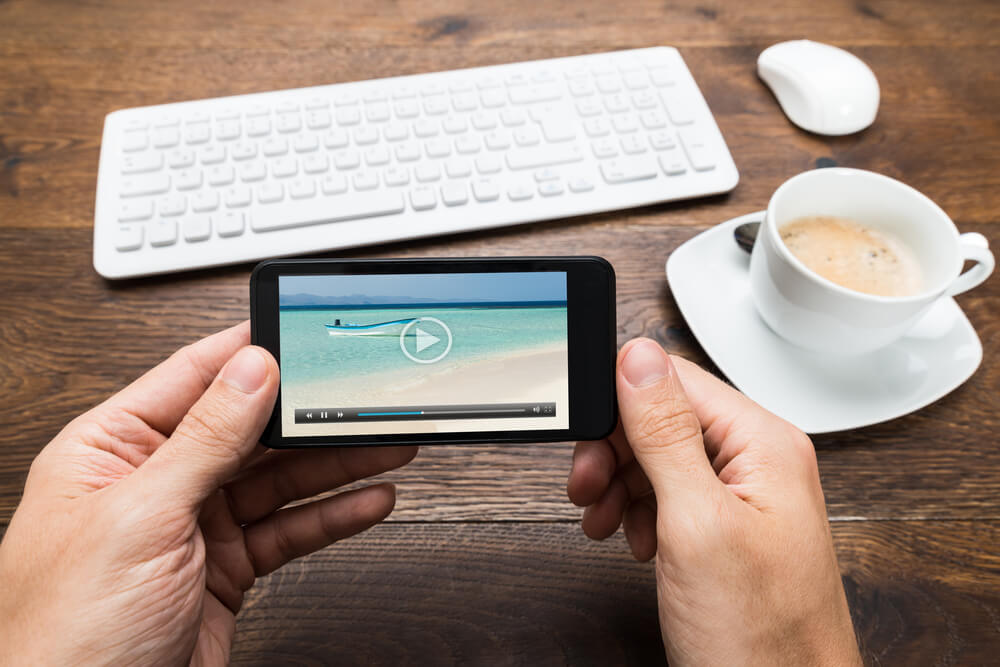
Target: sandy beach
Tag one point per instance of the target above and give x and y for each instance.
(533, 374)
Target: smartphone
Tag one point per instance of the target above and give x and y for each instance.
(419, 351)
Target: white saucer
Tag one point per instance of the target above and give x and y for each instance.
(818, 393)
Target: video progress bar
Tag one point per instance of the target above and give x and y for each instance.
(418, 412)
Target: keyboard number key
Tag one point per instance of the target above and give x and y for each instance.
(128, 237)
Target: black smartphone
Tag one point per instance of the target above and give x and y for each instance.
(413, 351)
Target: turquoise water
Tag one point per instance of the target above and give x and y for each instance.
(309, 353)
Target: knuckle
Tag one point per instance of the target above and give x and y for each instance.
(665, 424)
(216, 425)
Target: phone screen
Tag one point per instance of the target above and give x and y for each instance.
(423, 353)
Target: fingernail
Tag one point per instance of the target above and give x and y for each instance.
(247, 371)
(645, 363)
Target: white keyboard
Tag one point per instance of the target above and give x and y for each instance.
(236, 179)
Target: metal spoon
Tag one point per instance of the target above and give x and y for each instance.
(746, 234)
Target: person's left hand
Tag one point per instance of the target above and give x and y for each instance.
(146, 519)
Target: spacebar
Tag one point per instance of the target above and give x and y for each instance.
(269, 217)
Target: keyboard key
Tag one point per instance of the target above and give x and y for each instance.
(672, 163)
(305, 143)
(205, 201)
(633, 144)
(530, 158)
(520, 192)
(197, 133)
(454, 193)
(285, 167)
(527, 136)
(213, 154)
(128, 237)
(179, 158)
(596, 127)
(258, 127)
(625, 123)
(333, 184)
(492, 99)
(318, 120)
(196, 228)
(425, 127)
(367, 135)
(653, 120)
(408, 152)
(231, 223)
(406, 109)
(604, 148)
(465, 102)
(166, 137)
(513, 117)
(581, 87)
(616, 103)
(135, 140)
(485, 191)
(609, 83)
(287, 123)
(377, 156)
(335, 138)
(133, 211)
(365, 180)
(348, 116)
(237, 196)
(437, 148)
(698, 149)
(488, 164)
(149, 184)
(427, 172)
(163, 233)
(629, 169)
(458, 168)
(221, 174)
(142, 162)
(396, 132)
(275, 146)
(436, 106)
(172, 205)
(227, 129)
(559, 129)
(589, 107)
(484, 120)
(678, 109)
(378, 112)
(423, 199)
(661, 76)
(581, 184)
(546, 175)
(468, 144)
(396, 176)
(270, 193)
(302, 188)
(251, 172)
(661, 140)
(636, 80)
(533, 94)
(318, 211)
(550, 188)
(498, 140)
(645, 100)
(348, 159)
(455, 124)
(243, 150)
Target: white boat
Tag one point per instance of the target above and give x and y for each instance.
(390, 328)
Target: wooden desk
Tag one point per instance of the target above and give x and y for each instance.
(483, 561)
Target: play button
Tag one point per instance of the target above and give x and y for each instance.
(427, 342)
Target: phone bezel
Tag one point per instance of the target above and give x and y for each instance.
(591, 333)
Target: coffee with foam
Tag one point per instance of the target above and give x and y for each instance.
(854, 256)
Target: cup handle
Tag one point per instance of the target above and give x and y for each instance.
(974, 247)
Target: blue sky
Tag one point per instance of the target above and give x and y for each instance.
(534, 286)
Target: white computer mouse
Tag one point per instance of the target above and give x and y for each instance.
(821, 88)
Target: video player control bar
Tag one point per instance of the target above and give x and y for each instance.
(418, 412)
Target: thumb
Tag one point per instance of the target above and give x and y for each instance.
(217, 434)
(660, 425)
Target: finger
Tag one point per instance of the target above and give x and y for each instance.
(640, 527)
(660, 425)
(732, 422)
(218, 433)
(292, 476)
(164, 394)
(593, 468)
(601, 520)
(298, 531)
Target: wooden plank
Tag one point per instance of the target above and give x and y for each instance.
(529, 594)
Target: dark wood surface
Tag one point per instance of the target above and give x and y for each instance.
(483, 561)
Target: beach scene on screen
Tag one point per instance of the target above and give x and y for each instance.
(383, 340)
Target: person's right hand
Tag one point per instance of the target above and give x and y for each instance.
(727, 497)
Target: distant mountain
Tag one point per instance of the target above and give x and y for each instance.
(304, 299)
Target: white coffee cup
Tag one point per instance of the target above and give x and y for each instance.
(818, 314)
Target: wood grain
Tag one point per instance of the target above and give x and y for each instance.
(512, 594)
(482, 562)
